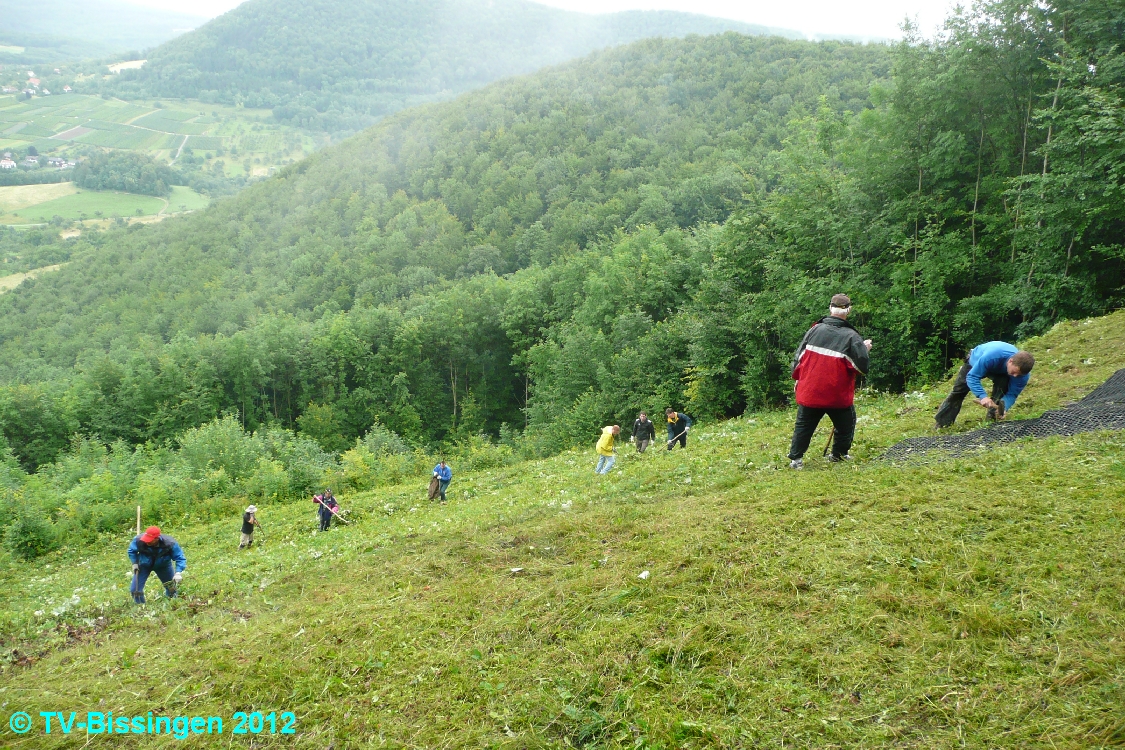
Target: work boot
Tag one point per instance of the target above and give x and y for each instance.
(796, 463)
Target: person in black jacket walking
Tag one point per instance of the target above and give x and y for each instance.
(326, 509)
(644, 432)
(678, 426)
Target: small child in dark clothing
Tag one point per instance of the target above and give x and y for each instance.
(326, 504)
(248, 524)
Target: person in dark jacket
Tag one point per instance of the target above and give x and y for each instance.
(249, 521)
(678, 426)
(153, 552)
(1007, 367)
(644, 432)
(830, 357)
(326, 503)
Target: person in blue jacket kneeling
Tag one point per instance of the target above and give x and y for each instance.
(153, 552)
(1007, 367)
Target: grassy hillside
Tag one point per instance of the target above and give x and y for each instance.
(708, 598)
(340, 65)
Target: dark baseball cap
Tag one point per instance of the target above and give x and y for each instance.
(841, 300)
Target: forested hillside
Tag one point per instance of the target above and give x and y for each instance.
(338, 65)
(437, 200)
(57, 30)
(653, 225)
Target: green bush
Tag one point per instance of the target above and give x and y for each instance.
(381, 441)
(30, 536)
(304, 460)
(11, 475)
(221, 445)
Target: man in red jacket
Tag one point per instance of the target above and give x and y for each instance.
(828, 360)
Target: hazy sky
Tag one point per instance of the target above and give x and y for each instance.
(853, 17)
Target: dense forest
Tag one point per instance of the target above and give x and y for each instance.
(338, 66)
(125, 170)
(654, 225)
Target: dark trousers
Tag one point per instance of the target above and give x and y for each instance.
(807, 420)
(442, 486)
(164, 571)
(677, 437)
(325, 518)
(951, 407)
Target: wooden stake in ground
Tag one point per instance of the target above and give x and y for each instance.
(138, 520)
(831, 434)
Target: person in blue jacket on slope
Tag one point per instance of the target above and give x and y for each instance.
(444, 476)
(1007, 367)
(153, 552)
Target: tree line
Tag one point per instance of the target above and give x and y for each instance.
(127, 171)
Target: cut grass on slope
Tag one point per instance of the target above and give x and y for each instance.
(16, 197)
(973, 603)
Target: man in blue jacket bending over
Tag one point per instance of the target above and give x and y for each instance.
(155, 552)
(1008, 368)
(444, 476)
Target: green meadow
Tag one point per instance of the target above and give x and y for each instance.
(86, 204)
(185, 199)
(702, 598)
(234, 140)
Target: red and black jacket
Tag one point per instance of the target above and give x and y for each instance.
(827, 362)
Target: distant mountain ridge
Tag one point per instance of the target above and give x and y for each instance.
(340, 65)
(57, 30)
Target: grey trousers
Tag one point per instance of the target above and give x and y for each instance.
(951, 407)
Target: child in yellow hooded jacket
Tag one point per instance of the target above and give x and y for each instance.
(605, 449)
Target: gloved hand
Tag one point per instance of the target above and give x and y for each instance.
(178, 577)
(136, 568)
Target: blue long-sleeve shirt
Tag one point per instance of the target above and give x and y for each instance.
(444, 473)
(151, 555)
(991, 359)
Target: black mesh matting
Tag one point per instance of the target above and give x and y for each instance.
(1102, 409)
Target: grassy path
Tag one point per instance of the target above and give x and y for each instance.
(180, 150)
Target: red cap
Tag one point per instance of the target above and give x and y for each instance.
(152, 533)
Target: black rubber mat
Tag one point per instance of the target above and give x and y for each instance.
(1102, 409)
